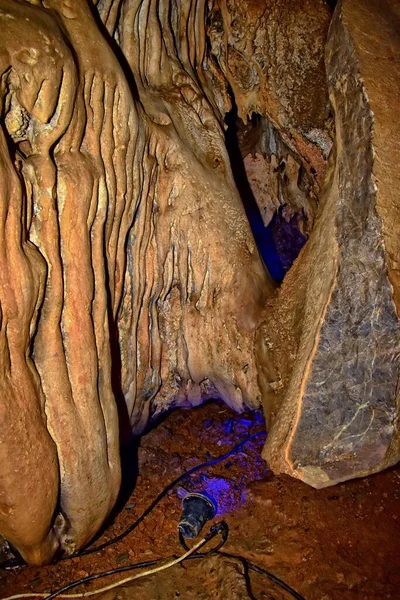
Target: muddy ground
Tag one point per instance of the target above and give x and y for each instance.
(338, 543)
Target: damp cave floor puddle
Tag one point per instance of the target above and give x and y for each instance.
(336, 543)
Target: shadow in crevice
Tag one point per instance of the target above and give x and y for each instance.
(127, 441)
(262, 235)
(332, 4)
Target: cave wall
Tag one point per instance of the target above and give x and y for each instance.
(271, 55)
(130, 278)
(195, 317)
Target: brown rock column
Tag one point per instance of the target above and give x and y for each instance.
(338, 417)
(64, 116)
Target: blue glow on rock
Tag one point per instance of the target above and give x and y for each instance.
(219, 490)
(227, 483)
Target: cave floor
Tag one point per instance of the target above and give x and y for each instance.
(340, 542)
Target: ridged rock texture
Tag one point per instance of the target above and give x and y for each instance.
(130, 281)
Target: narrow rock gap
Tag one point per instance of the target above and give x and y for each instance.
(332, 4)
(280, 228)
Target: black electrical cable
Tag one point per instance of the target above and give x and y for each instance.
(89, 578)
(161, 495)
(224, 537)
(285, 586)
(250, 566)
(217, 528)
(221, 528)
(273, 578)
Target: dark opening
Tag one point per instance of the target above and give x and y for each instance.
(280, 242)
(332, 4)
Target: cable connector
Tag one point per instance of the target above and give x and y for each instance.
(197, 509)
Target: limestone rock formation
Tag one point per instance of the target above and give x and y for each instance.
(339, 415)
(271, 55)
(116, 222)
(130, 281)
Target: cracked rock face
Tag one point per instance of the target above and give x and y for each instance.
(130, 281)
(339, 415)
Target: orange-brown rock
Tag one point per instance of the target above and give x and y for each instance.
(129, 268)
(130, 281)
(271, 54)
(337, 311)
(63, 129)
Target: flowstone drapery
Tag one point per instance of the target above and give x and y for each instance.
(130, 281)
